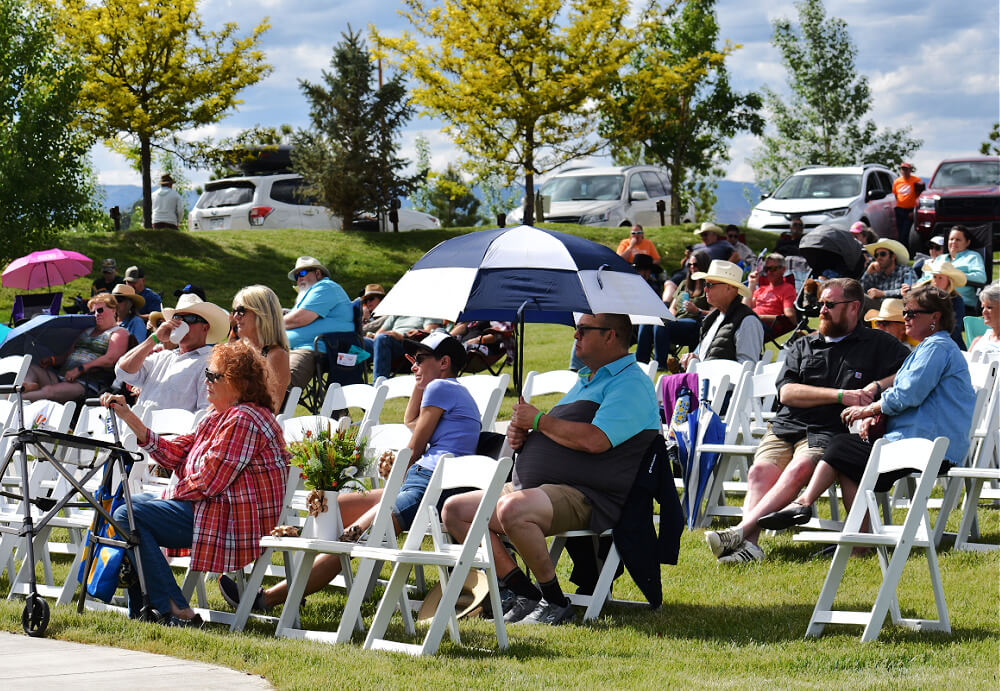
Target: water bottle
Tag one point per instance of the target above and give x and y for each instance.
(685, 296)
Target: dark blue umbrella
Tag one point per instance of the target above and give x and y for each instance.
(46, 335)
(692, 428)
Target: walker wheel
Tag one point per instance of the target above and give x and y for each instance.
(35, 615)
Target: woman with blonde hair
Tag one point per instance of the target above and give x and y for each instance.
(948, 278)
(257, 322)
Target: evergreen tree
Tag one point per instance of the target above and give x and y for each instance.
(452, 201)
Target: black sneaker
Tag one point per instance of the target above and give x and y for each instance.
(522, 607)
(231, 594)
(170, 620)
(554, 615)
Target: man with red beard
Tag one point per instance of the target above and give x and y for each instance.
(838, 366)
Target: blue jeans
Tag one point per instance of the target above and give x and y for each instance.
(386, 350)
(160, 523)
(680, 332)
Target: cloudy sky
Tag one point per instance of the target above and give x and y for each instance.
(932, 66)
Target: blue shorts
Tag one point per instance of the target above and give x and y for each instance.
(412, 493)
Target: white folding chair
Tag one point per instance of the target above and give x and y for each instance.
(650, 369)
(368, 397)
(452, 561)
(487, 391)
(925, 456)
(291, 403)
(16, 365)
(554, 381)
(400, 386)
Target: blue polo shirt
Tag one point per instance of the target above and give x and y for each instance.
(330, 302)
(153, 302)
(625, 395)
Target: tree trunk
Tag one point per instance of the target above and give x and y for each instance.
(675, 197)
(147, 188)
(529, 177)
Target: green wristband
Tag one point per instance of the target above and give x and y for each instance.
(840, 397)
(538, 417)
(155, 339)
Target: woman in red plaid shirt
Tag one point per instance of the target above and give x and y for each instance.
(231, 477)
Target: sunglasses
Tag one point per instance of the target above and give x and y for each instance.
(638, 233)
(828, 305)
(97, 310)
(772, 268)
(241, 310)
(711, 284)
(190, 318)
(910, 314)
(303, 272)
(581, 331)
(212, 377)
(882, 253)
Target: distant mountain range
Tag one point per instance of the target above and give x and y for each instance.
(732, 206)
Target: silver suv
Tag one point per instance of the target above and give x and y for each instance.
(608, 196)
(275, 201)
(822, 195)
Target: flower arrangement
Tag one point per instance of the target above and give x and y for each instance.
(329, 458)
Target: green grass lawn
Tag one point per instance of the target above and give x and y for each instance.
(718, 627)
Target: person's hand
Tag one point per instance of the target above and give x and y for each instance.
(516, 437)
(73, 374)
(904, 289)
(164, 330)
(866, 425)
(856, 412)
(858, 397)
(113, 401)
(690, 307)
(753, 279)
(523, 415)
(875, 293)
(413, 333)
(872, 267)
(686, 360)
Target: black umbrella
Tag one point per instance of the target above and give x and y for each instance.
(826, 248)
(46, 335)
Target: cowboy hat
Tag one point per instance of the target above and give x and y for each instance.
(722, 271)
(708, 227)
(217, 318)
(956, 276)
(374, 289)
(123, 290)
(891, 310)
(475, 590)
(155, 319)
(307, 263)
(902, 256)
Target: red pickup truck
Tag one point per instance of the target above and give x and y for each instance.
(963, 191)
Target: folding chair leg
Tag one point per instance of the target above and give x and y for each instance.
(387, 606)
(968, 527)
(602, 591)
(948, 502)
(821, 613)
(250, 588)
(296, 587)
(886, 593)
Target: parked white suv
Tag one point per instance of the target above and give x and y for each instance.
(821, 195)
(275, 201)
(608, 196)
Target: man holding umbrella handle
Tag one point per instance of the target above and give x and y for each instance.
(576, 466)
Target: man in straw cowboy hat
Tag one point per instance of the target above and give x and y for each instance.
(886, 276)
(836, 367)
(713, 242)
(370, 299)
(175, 377)
(889, 318)
(168, 207)
(731, 331)
(321, 307)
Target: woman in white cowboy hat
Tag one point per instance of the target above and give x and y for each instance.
(129, 304)
(949, 279)
(731, 331)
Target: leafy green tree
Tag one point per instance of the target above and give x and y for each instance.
(45, 176)
(152, 70)
(673, 105)
(421, 196)
(452, 201)
(516, 80)
(823, 123)
(991, 147)
(348, 157)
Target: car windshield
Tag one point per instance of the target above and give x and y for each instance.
(967, 174)
(584, 188)
(226, 194)
(820, 186)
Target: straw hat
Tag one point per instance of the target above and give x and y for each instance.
(217, 318)
(708, 227)
(123, 290)
(902, 256)
(722, 271)
(475, 590)
(956, 276)
(374, 289)
(890, 311)
(307, 263)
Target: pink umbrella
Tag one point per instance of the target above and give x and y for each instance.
(46, 268)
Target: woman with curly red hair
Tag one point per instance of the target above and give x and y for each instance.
(231, 477)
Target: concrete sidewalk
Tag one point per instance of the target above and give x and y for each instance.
(43, 663)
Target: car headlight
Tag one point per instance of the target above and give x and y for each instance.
(927, 203)
(837, 213)
(595, 219)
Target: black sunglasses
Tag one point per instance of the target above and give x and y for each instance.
(772, 268)
(420, 358)
(830, 304)
(190, 318)
(883, 253)
(910, 314)
(581, 331)
(97, 310)
(212, 377)
(303, 272)
(241, 310)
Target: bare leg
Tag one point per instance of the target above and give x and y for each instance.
(822, 480)
(525, 517)
(457, 515)
(788, 484)
(61, 392)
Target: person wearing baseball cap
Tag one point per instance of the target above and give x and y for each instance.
(109, 278)
(169, 365)
(906, 188)
(731, 331)
(136, 277)
(322, 307)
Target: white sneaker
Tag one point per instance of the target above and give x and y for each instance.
(746, 553)
(724, 541)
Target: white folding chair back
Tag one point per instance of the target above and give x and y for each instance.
(452, 561)
(924, 456)
(400, 386)
(487, 391)
(650, 369)
(369, 398)
(291, 403)
(715, 370)
(763, 395)
(554, 381)
(18, 366)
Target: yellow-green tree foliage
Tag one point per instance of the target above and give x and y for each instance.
(517, 81)
(153, 70)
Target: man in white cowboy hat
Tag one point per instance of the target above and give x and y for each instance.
(731, 331)
(322, 307)
(174, 377)
(712, 242)
(168, 207)
(886, 276)
(889, 318)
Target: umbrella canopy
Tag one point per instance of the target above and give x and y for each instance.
(46, 268)
(492, 274)
(46, 335)
(828, 248)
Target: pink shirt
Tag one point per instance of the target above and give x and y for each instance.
(773, 299)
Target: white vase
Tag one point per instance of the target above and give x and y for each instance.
(327, 525)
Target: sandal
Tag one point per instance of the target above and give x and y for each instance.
(352, 534)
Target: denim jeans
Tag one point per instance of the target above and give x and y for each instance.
(386, 350)
(160, 523)
(678, 332)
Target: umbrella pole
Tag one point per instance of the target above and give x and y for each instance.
(519, 365)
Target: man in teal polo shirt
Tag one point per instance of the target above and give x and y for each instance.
(576, 466)
(322, 307)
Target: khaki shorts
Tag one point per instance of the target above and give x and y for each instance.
(570, 509)
(773, 449)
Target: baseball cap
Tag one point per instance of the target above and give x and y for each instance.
(190, 288)
(109, 264)
(938, 240)
(440, 343)
(133, 273)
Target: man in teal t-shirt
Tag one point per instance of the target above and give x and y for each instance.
(322, 307)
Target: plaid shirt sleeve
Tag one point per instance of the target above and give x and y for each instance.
(168, 453)
(232, 447)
